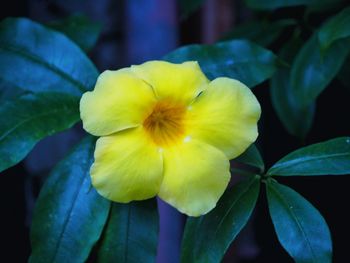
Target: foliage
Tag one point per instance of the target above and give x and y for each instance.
(238, 59)
(43, 74)
(79, 29)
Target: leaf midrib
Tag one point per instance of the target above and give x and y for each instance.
(291, 212)
(305, 159)
(253, 181)
(14, 128)
(233, 204)
(36, 59)
(67, 219)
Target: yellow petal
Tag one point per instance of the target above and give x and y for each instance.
(120, 100)
(178, 82)
(128, 166)
(195, 176)
(225, 116)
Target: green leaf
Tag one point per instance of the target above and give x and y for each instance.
(35, 58)
(313, 70)
(9, 91)
(252, 157)
(69, 215)
(344, 74)
(207, 238)
(325, 6)
(80, 29)
(331, 157)
(238, 59)
(274, 4)
(300, 228)
(31, 117)
(131, 234)
(335, 28)
(187, 7)
(296, 118)
(261, 32)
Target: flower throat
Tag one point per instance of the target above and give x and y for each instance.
(165, 124)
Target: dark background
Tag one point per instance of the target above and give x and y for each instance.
(135, 31)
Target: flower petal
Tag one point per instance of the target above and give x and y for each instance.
(128, 166)
(195, 176)
(178, 82)
(225, 116)
(120, 100)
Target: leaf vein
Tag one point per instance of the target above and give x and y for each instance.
(68, 218)
(36, 59)
(5, 134)
(305, 159)
(291, 212)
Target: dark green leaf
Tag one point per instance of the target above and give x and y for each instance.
(69, 215)
(131, 234)
(325, 6)
(187, 7)
(336, 28)
(35, 58)
(80, 29)
(261, 32)
(274, 4)
(295, 117)
(300, 228)
(344, 74)
(31, 117)
(326, 158)
(207, 238)
(313, 70)
(238, 59)
(9, 91)
(252, 157)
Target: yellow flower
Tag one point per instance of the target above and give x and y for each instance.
(166, 130)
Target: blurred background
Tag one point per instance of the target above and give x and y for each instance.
(134, 31)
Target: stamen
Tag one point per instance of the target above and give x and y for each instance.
(165, 123)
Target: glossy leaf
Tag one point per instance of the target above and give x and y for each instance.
(313, 70)
(131, 234)
(337, 27)
(252, 157)
(261, 32)
(296, 118)
(207, 238)
(80, 29)
(35, 58)
(187, 7)
(331, 157)
(300, 228)
(238, 59)
(31, 117)
(69, 215)
(9, 91)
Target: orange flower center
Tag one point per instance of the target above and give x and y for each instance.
(165, 124)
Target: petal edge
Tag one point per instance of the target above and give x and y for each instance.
(225, 116)
(127, 166)
(119, 101)
(195, 176)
